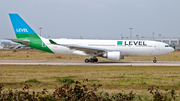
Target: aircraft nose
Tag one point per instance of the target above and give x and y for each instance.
(172, 49)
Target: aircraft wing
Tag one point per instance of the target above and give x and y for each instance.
(25, 42)
(86, 49)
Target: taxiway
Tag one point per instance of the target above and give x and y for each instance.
(70, 62)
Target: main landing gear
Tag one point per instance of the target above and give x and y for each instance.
(155, 59)
(91, 60)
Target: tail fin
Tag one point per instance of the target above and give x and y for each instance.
(21, 28)
(25, 35)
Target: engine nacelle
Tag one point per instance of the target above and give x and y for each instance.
(112, 55)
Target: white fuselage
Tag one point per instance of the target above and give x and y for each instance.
(126, 47)
(110, 49)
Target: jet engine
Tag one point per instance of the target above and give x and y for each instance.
(115, 55)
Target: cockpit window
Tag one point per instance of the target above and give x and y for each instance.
(166, 45)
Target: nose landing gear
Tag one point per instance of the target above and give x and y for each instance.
(155, 59)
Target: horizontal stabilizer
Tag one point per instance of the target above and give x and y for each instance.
(25, 42)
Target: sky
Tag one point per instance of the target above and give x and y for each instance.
(93, 19)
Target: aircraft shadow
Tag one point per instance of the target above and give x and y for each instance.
(114, 62)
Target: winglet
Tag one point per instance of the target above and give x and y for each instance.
(52, 42)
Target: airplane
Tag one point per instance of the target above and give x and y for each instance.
(110, 49)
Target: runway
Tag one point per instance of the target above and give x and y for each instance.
(70, 62)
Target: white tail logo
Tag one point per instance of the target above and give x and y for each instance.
(21, 30)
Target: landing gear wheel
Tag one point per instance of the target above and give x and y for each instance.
(86, 60)
(96, 60)
(91, 60)
(154, 61)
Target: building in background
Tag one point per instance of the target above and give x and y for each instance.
(6, 44)
(1, 47)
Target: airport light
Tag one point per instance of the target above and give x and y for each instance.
(137, 37)
(130, 32)
(160, 35)
(40, 30)
(153, 35)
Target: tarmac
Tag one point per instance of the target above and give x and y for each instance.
(71, 62)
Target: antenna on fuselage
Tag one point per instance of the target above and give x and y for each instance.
(81, 36)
